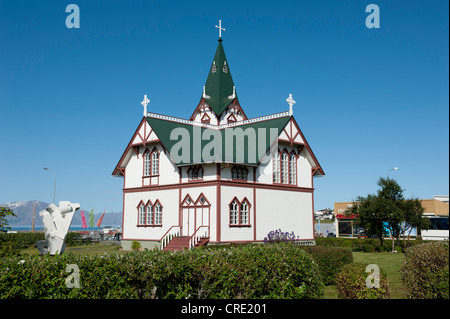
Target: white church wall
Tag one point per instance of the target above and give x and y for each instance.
(170, 208)
(285, 210)
(168, 171)
(210, 172)
(303, 171)
(235, 233)
(133, 173)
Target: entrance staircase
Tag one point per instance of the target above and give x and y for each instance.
(172, 239)
(182, 242)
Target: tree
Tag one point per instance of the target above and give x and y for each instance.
(414, 218)
(5, 211)
(387, 209)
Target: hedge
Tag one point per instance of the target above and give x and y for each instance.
(263, 271)
(425, 271)
(330, 260)
(12, 243)
(367, 244)
(351, 283)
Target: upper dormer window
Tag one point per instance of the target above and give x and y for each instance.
(239, 173)
(151, 162)
(225, 67)
(195, 173)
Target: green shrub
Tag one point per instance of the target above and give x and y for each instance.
(425, 271)
(22, 240)
(368, 248)
(351, 283)
(330, 260)
(253, 271)
(9, 249)
(135, 245)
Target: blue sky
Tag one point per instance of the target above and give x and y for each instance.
(367, 99)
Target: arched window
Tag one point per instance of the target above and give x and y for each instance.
(155, 162)
(195, 173)
(276, 167)
(149, 214)
(293, 169)
(158, 213)
(285, 168)
(239, 172)
(234, 212)
(234, 173)
(147, 163)
(141, 218)
(245, 206)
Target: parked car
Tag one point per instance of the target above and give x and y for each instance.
(108, 230)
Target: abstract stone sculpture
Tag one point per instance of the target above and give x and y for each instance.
(57, 220)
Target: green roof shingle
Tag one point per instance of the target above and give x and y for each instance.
(219, 84)
(189, 144)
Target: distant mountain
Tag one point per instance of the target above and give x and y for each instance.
(24, 212)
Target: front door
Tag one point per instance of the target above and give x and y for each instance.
(194, 214)
(188, 224)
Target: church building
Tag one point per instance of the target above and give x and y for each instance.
(219, 176)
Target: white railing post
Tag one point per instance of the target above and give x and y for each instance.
(202, 231)
(173, 231)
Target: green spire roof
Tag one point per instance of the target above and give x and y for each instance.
(219, 84)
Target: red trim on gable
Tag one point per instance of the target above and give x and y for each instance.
(231, 118)
(307, 146)
(237, 107)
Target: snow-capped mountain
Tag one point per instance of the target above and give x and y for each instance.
(24, 213)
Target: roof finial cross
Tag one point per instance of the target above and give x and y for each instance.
(144, 103)
(220, 28)
(291, 102)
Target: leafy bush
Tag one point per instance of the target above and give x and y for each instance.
(330, 260)
(366, 244)
(425, 271)
(254, 271)
(351, 283)
(135, 245)
(21, 240)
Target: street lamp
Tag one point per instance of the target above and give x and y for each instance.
(54, 182)
(392, 169)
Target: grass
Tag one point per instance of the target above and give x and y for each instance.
(388, 262)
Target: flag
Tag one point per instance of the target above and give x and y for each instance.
(91, 218)
(83, 220)
(100, 220)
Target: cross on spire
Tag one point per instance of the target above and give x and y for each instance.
(291, 102)
(220, 28)
(144, 103)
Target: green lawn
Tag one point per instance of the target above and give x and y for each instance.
(388, 262)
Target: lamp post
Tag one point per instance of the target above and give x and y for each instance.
(392, 169)
(54, 182)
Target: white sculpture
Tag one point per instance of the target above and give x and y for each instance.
(57, 220)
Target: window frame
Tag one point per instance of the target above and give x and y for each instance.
(150, 162)
(285, 170)
(143, 215)
(241, 171)
(197, 171)
(235, 213)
